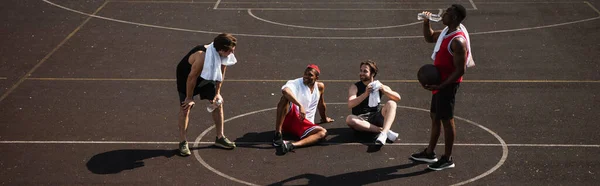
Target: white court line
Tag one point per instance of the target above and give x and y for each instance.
(329, 28)
(304, 37)
(269, 143)
(473, 4)
(217, 4)
(330, 9)
(325, 80)
(38, 64)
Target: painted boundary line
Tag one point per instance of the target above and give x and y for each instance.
(331, 81)
(308, 37)
(22, 79)
(269, 143)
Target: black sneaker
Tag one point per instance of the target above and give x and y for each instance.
(444, 163)
(424, 157)
(285, 147)
(277, 139)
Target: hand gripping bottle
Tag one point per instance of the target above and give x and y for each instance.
(433, 17)
(214, 106)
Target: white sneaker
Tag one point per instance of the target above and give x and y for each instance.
(391, 135)
(381, 139)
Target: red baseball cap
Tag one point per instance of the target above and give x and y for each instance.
(313, 66)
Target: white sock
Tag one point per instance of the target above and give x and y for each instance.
(391, 135)
(381, 138)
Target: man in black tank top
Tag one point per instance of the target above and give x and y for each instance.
(190, 84)
(373, 119)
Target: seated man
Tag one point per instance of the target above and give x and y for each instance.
(296, 111)
(364, 97)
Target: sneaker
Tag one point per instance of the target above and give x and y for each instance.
(277, 139)
(391, 135)
(285, 147)
(380, 140)
(424, 157)
(184, 150)
(224, 143)
(444, 163)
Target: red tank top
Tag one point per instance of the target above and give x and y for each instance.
(444, 59)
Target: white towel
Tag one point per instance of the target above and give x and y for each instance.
(212, 64)
(470, 62)
(374, 96)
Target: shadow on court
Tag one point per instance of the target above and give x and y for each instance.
(263, 140)
(113, 162)
(357, 178)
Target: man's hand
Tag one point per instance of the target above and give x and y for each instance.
(326, 120)
(188, 104)
(302, 113)
(432, 87)
(369, 89)
(217, 97)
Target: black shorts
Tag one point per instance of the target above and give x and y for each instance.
(442, 103)
(375, 118)
(206, 88)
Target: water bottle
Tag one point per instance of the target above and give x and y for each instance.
(214, 106)
(433, 17)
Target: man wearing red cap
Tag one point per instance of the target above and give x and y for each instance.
(297, 108)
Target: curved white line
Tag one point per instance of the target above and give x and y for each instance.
(325, 28)
(502, 143)
(502, 159)
(197, 155)
(307, 37)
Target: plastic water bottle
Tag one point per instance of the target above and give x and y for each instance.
(433, 17)
(214, 106)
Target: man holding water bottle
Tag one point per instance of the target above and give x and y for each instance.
(201, 72)
(451, 56)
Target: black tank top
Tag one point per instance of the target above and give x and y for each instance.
(184, 68)
(363, 107)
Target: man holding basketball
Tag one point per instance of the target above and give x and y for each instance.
(451, 55)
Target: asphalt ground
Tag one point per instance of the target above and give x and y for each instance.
(88, 94)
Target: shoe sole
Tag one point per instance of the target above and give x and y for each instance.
(184, 154)
(275, 144)
(225, 147)
(424, 160)
(441, 168)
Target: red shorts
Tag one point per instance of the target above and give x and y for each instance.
(293, 125)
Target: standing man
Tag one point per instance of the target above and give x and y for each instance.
(364, 97)
(297, 108)
(202, 71)
(451, 57)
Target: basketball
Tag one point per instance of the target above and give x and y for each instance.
(428, 75)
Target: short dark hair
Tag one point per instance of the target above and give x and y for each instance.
(224, 42)
(372, 66)
(461, 12)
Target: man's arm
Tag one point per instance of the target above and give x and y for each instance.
(430, 35)
(197, 65)
(392, 95)
(289, 95)
(459, 50)
(218, 84)
(322, 106)
(354, 100)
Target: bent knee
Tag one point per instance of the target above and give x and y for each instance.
(350, 120)
(391, 103)
(321, 132)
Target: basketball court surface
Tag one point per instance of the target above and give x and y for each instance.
(88, 93)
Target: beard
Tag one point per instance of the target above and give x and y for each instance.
(365, 78)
